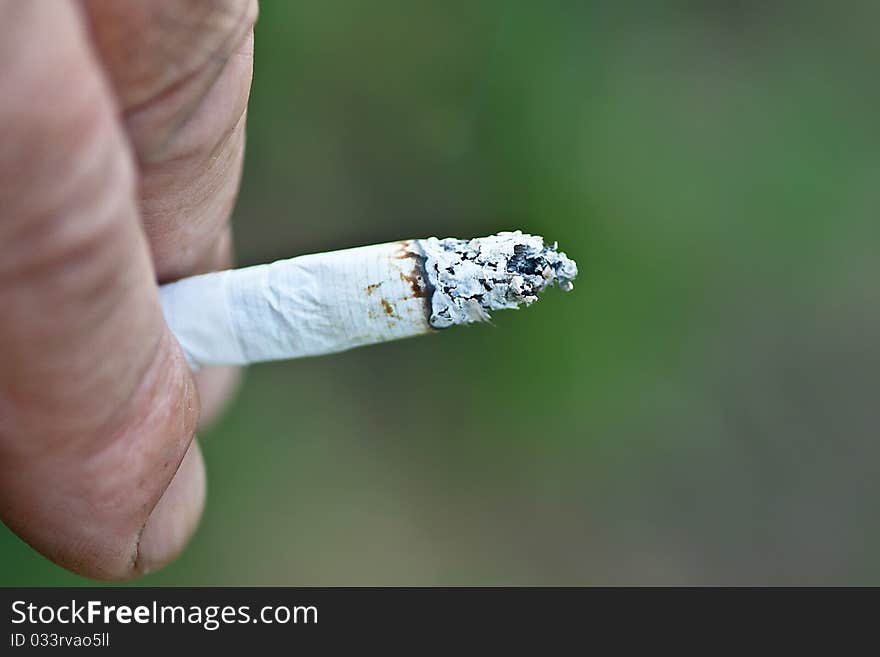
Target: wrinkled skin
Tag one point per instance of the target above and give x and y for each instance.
(122, 142)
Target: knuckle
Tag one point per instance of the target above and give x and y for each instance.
(151, 48)
(197, 32)
(191, 53)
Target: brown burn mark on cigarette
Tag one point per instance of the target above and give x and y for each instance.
(416, 284)
(406, 249)
(372, 287)
(418, 280)
(389, 309)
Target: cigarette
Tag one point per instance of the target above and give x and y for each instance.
(329, 302)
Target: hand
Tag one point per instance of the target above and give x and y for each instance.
(122, 141)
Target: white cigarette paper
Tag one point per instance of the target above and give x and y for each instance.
(329, 302)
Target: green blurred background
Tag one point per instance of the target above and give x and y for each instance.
(702, 409)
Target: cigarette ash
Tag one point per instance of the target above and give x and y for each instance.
(472, 277)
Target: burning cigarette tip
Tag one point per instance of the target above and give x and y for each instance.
(473, 277)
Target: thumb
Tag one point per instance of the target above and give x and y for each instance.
(97, 407)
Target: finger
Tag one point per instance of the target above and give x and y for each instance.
(182, 71)
(97, 406)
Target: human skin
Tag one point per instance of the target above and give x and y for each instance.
(122, 143)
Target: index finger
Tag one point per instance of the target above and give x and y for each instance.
(181, 70)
